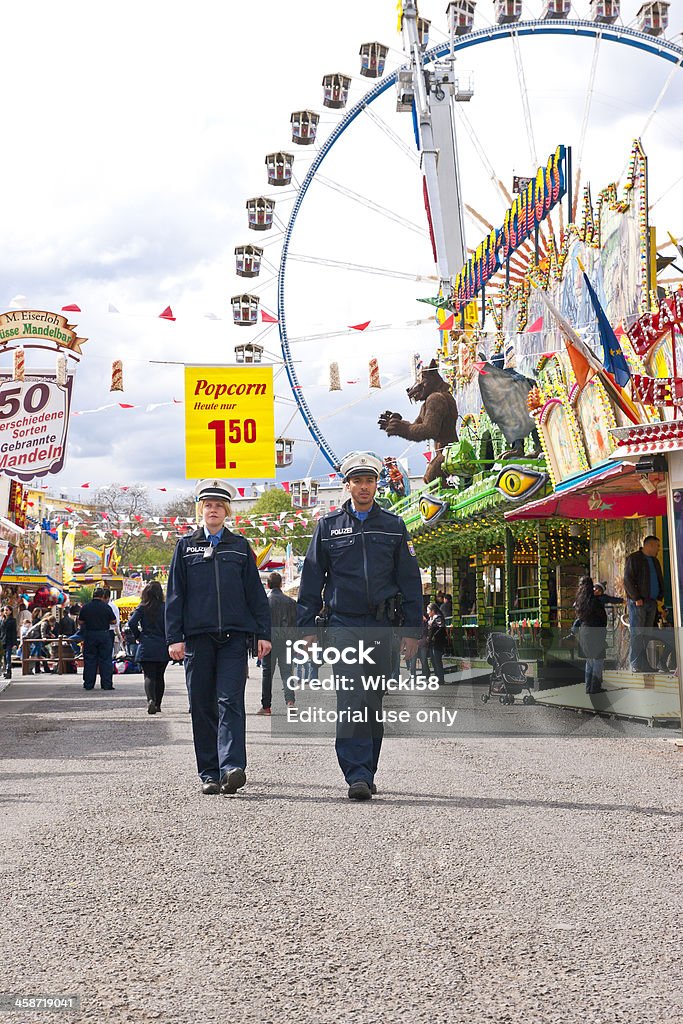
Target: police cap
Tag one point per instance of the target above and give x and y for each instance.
(219, 490)
(360, 464)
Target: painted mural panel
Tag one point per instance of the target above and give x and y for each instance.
(596, 420)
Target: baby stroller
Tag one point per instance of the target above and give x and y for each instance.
(508, 676)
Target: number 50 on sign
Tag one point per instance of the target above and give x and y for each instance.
(229, 421)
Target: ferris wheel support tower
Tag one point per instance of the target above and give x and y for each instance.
(435, 93)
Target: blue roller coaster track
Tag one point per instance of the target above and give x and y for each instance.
(573, 28)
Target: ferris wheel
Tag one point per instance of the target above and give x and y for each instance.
(366, 215)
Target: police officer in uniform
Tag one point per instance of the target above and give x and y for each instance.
(214, 601)
(361, 576)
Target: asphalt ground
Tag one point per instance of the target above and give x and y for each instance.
(502, 878)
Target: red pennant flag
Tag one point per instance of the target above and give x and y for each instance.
(71, 309)
(161, 488)
(447, 325)
(167, 314)
(124, 405)
(537, 325)
(583, 371)
(266, 318)
(428, 456)
(285, 485)
(360, 327)
(147, 533)
(85, 485)
(84, 533)
(619, 332)
(240, 491)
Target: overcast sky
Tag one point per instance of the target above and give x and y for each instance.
(135, 132)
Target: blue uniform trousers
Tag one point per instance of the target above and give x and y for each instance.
(216, 677)
(358, 744)
(98, 646)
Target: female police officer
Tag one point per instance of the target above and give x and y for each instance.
(214, 600)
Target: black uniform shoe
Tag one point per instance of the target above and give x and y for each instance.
(360, 791)
(151, 708)
(373, 789)
(211, 787)
(233, 780)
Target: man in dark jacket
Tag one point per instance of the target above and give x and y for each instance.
(8, 638)
(282, 616)
(94, 621)
(644, 586)
(362, 569)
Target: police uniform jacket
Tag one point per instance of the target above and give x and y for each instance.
(215, 595)
(352, 566)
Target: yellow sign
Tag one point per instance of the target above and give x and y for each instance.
(229, 421)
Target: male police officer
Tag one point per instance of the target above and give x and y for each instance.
(361, 568)
(214, 601)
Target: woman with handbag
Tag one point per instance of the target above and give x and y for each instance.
(147, 626)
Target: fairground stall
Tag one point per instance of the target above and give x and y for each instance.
(525, 508)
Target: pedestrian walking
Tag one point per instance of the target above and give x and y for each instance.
(644, 586)
(437, 639)
(65, 628)
(214, 601)
(591, 622)
(147, 626)
(282, 616)
(421, 653)
(8, 638)
(94, 621)
(361, 568)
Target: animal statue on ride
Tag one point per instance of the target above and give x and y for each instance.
(436, 420)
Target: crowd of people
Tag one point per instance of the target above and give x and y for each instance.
(360, 573)
(644, 586)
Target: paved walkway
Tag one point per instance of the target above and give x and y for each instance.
(508, 880)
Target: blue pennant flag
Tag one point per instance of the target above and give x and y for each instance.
(612, 355)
